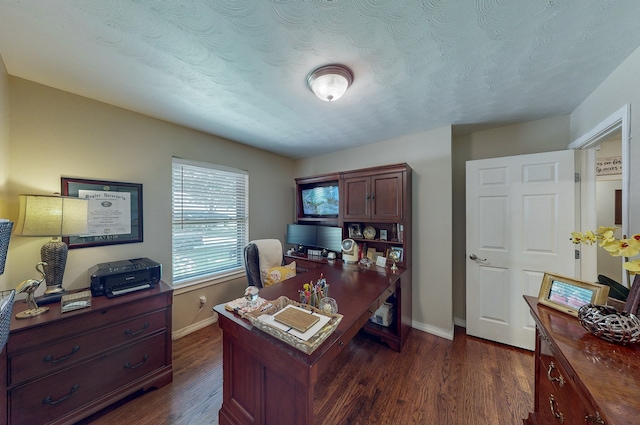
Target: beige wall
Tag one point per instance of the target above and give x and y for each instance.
(620, 88)
(429, 155)
(55, 133)
(4, 146)
(546, 135)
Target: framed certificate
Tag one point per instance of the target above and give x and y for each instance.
(115, 212)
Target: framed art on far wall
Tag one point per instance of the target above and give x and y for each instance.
(115, 212)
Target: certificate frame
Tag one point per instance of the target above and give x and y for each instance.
(72, 187)
(565, 293)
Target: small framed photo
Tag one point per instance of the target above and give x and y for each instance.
(381, 261)
(397, 253)
(383, 235)
(568, 295)
(355, 230)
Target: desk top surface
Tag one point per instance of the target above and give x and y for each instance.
(353, 287)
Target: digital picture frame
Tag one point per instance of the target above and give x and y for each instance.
(568, 295)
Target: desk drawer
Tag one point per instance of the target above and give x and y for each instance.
(79, 322)
(50, 358)
(58, 394)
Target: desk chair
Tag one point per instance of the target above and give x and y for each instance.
(261, 254)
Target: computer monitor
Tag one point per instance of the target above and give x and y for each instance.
(301, 234)
(329, 238)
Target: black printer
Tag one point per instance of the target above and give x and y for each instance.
(123, 277)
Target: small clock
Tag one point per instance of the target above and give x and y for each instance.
(369, 232)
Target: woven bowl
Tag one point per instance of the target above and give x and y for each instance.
(607, 323)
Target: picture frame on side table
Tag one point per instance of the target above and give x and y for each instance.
(568, 295)
(115, 212)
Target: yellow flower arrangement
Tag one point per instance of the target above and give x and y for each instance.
(605, 237)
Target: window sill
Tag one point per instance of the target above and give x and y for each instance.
(184, 287)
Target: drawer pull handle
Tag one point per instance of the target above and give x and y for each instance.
(60, 400)
(590, 419)
(557, 415)
(560, 379)
(129, 332)
(50, 359)
(144, 359)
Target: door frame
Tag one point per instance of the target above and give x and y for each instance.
(619, 120)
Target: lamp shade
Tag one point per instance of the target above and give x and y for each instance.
(330, 82)
(52, 216)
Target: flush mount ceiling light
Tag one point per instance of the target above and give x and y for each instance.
(330, 82)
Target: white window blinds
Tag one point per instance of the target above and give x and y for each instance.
(210, 220)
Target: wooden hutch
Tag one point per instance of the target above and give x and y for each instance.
(378, 198)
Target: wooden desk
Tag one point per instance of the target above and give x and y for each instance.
(267, 381)
(581, 379)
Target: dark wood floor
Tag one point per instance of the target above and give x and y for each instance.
(467, 381)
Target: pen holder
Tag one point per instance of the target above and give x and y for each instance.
(313, 298)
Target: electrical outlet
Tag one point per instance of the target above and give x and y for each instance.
(203, 300)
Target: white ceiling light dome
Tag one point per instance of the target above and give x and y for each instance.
(330, 82)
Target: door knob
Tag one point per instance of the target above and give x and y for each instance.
(474, 257)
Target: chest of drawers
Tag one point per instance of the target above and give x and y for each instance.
(58, 368)
(579, 378)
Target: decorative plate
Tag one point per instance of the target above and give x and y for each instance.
(369, 232)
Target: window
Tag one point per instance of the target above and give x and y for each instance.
(210, 220)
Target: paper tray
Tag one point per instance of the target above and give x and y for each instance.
(308, 346)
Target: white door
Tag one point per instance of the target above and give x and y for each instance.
(520, 215)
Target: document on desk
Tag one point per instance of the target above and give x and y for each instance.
(305, 336)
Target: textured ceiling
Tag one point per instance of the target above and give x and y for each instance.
(238, 68)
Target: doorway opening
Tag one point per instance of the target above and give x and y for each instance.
(609, 139)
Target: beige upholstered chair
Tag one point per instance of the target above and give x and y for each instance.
(261, 254)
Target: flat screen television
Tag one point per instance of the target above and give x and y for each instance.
(320, 201)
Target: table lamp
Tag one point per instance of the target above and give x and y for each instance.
(54, 216)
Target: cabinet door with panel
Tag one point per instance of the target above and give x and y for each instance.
(356, 198)
(374, 197)
(386, 197)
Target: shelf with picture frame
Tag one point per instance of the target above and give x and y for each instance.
(378, 198)
(378, 242)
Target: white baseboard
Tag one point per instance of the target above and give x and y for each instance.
(460, 322)
(194, 327)
(444, 333)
